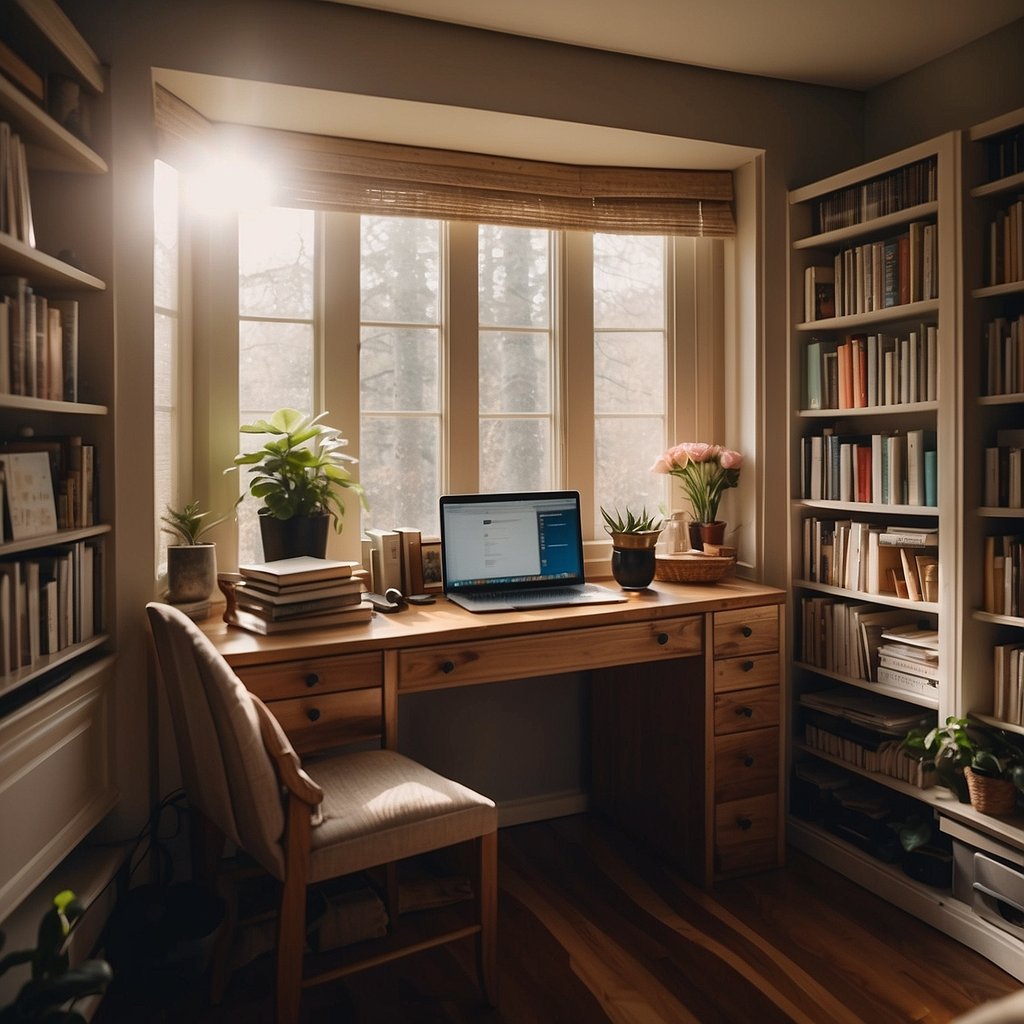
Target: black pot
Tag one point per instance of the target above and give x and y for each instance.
(633, 568)
(289, 538)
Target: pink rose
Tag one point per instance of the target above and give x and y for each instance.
(730, 459)
(700, 451)
(662, 465)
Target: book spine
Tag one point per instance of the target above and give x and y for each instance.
(906, 681)
(907, 666)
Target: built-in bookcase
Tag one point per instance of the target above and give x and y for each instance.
(56, 395)
(993, 278)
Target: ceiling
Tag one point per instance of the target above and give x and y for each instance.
(828, 42)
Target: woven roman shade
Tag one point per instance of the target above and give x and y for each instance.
(356, 176)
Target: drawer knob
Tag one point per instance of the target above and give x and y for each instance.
(744, 823)
(746, 631)
(663, 639)
(747, 666)
(746, 711)
(748, 761)
(447, 666)
(313, 714)
(312, 679)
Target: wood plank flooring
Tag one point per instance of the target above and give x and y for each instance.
(592, 930)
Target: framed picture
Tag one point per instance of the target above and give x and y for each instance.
(430, 555)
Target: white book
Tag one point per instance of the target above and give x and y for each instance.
(905, 681)
(387, 559)
(915, 467)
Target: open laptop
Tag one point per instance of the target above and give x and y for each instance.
(506, 552)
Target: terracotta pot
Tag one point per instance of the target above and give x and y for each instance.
(712, 533)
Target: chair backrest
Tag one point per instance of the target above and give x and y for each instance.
(225, 767)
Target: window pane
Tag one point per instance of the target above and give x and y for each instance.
(402, 478)
(515, 454)
(399, 268)
(399, 369)
(629, 372)
(624, 451)
(275, 263)
(515, 372)
(629, 281)
(165, 236)
(514, 288)
(275, 367)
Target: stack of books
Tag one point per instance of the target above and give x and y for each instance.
(299, 593)
(908, 659)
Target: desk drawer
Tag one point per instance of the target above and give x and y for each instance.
(335, 674)
(746, 834)
(572, 650)
(317, 722)
(741, 710)
(746, 764)
(747, 671)
(746, 631)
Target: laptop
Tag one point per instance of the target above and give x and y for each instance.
(509, 552)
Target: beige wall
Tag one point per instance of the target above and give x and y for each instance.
(805, 132)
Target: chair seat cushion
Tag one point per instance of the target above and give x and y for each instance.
(380, 806)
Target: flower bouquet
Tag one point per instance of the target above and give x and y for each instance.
(705, 471)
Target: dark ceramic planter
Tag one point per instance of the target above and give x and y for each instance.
(289, 538)
(633, 568)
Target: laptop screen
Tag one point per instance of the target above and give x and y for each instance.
(527, 539)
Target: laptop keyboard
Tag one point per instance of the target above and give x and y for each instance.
(538, 596)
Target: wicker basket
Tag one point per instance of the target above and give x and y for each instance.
(693, 567)
(991, 796)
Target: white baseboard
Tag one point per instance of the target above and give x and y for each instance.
(542, 807)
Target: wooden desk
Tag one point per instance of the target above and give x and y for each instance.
(686, 700)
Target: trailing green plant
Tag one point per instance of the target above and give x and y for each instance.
(630, 522)
(47, 997)
(186, 524)
(962, 743)
(301, 470)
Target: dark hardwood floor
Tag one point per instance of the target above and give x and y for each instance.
(593, 930)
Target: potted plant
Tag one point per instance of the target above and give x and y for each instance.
(981, 765)
(50, 993)
(191, 563)
(634, 537)
(300, 474)
(705, 471)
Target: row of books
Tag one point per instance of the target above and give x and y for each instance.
(1005, 154)
(48, 602)
(15, 207)
(403, 558)
(887, 273)
(298, 593)
(909, 666)
(898, 190)
(865, 371)
(1008, 680)
(1002, 487)
(46, 484)
(844, 637)
(38, 343)
(900, 561)
(1005, 257)
(1003, 581)
(881, 469)
(1004, 356)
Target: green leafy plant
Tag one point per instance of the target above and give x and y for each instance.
(301, 470)
(54, 983)
(961, 743)
(630, 522)
(186, 524)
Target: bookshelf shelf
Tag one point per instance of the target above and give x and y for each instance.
(17, 547)
(998, 187)
(870, 686)
(995, 291)
(873, 508)
(44, 270)
(49, 662)
(924, 607)
(26, 403)
(891, 314)
(866, 229)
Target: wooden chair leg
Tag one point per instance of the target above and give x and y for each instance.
(487, 903)
(291, 918)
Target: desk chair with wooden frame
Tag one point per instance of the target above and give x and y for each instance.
(346, 813)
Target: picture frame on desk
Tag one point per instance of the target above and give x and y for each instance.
(430, 555)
